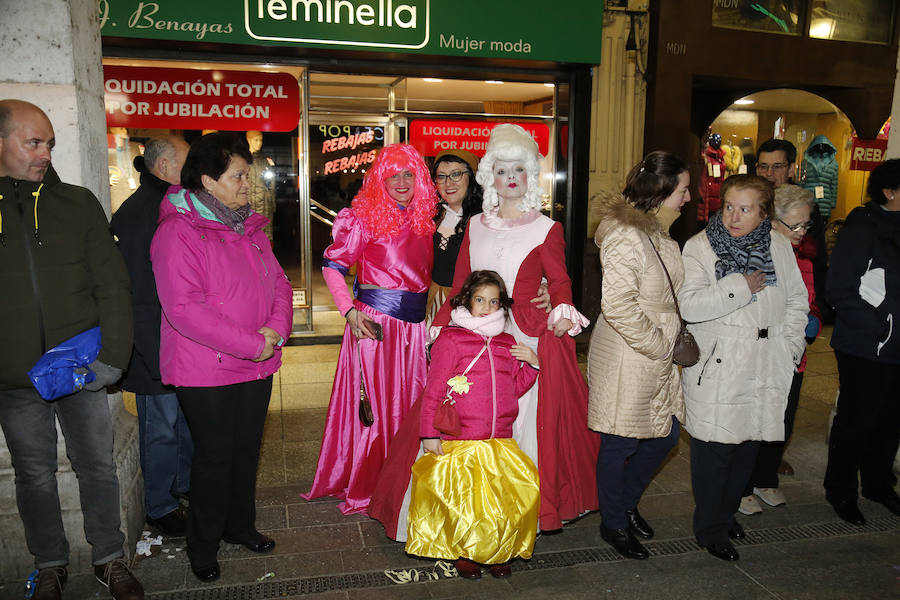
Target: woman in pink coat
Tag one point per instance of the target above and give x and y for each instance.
(226, 312)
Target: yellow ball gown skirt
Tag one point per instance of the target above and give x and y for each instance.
(478, 501)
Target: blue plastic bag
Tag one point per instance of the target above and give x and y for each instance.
(54, 374)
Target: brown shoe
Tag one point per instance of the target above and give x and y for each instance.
(785, 468)
(49, 583)
(500, 571)
(467, 569)
(116, 576)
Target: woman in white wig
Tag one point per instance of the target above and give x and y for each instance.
(513, 238)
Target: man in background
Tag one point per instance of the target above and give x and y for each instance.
(165, 441)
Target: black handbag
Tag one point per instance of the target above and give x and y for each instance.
(686, 352)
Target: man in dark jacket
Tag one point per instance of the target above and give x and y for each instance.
(61, 275)
(165, 440)
(864, 289)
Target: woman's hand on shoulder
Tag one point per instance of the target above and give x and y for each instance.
(525, 354)
(542, 300)
(433, 445)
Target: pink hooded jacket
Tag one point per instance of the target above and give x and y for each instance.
(216, 288)
(497, 380)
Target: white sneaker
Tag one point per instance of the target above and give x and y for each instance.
(749, 506)
(771, 496)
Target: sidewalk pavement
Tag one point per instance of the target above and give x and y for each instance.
(798, 551)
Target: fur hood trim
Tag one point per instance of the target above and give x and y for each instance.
(615, 211)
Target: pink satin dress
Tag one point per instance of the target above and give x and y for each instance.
(393, 276)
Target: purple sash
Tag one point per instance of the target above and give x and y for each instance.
(400, 304)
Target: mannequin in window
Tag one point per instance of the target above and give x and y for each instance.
(262, 181)
(711, 178)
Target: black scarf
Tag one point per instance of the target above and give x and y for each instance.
(744, 254)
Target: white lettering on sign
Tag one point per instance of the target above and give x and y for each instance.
(404, 16)
(143, 18)
(868, 154)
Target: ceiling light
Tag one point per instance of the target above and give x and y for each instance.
(494, 81)
(743, 101)
(432, 80)
(550, 85)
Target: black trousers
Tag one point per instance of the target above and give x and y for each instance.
(765, 471)
(865, 431)
(624, 468)
(719, 473)
(226, 424)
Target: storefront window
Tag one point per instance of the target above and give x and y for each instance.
(773, 16)
(148, 99)
(852, 20)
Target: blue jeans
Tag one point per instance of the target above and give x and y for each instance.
(29, 424)
(624, 468)
(166, 452)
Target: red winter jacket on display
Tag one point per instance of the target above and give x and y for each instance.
(714, 164)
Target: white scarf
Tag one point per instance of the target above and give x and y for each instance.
(488, 325)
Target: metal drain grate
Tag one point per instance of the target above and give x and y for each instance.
(548, 560)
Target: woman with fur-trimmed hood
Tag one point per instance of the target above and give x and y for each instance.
(636, 400)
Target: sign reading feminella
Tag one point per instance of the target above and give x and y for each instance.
(496, 28)
(431, 136)
(156, 98)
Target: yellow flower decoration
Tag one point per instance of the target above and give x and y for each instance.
(459, 384)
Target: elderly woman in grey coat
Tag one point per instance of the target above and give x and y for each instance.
(746, 303)
(636, 400)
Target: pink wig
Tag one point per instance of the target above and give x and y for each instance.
(378, 212)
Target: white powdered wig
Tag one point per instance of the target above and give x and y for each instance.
(510, 142)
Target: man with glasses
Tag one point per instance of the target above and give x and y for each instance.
(775, 161)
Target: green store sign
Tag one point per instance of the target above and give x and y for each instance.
(483, 28)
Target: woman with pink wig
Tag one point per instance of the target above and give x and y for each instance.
(387, 233)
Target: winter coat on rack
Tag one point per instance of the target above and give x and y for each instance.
(820, 169)
(713, 165)
(734, 158)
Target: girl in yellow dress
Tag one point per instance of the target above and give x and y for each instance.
(475, 494)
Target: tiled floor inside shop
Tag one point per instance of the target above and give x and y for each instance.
(798, 551)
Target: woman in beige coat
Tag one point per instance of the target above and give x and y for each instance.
(746, 305)
(636, 399)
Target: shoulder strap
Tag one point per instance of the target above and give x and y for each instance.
(666, 271)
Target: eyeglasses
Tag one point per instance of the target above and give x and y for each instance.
(455, 177)
(795, 228)
(765, 168)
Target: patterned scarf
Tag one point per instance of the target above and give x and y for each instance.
(744, 254)
(232, 218)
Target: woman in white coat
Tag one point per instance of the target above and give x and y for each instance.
(746, 305)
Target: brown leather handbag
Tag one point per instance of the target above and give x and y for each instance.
(686, 352)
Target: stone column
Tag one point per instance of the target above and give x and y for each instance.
(52, 58)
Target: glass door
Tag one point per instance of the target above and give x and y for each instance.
(348, 118)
